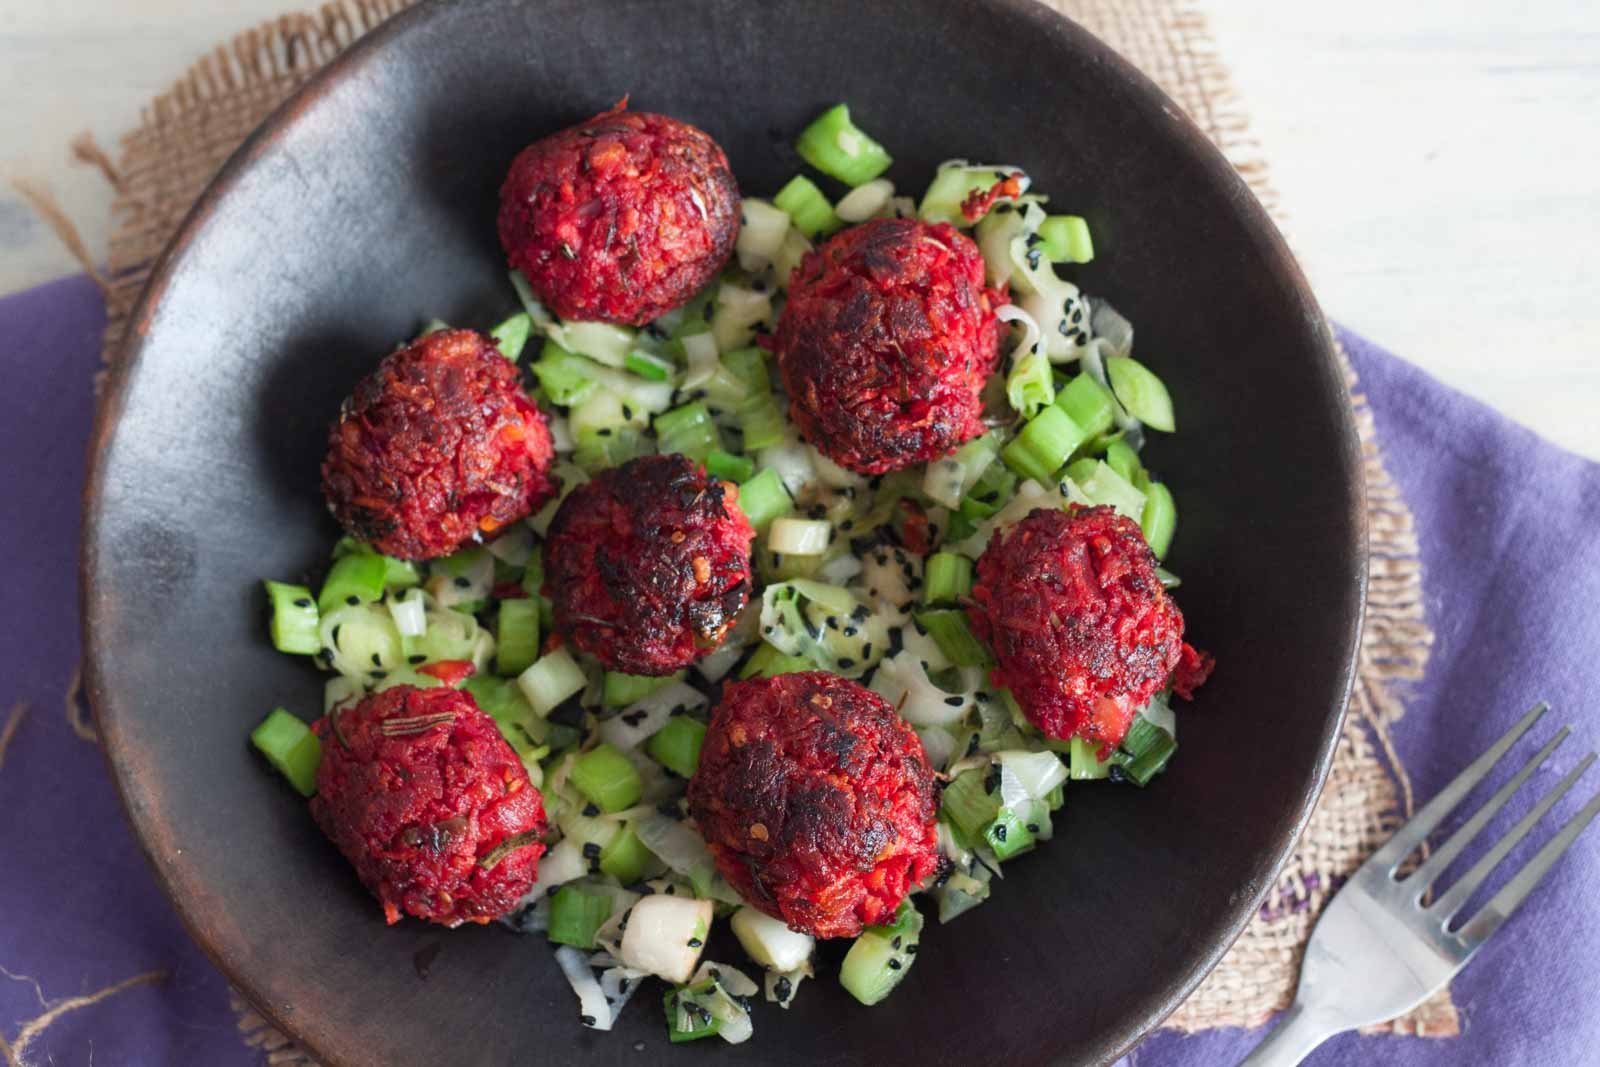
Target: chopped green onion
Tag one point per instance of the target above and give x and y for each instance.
(768, 662)
(624, 857)
(1159, 520)
(599, 448)
(882, 956)
(799, 537)
(688, 430)
(1088, 404)
(606, 777)
(576, 915)
(291, 747)
(761, 421)
(619, 690)
(837, 147)
(795, 248)
(512, 335)
(696, 314)
(737, 313)
(294, 619)
(647, 366)
(961, 527)
(949, 630)
(517, 636)
(1123, 460)
(676, 746)
(946, 578)
(1141, 392)
(1146, 748)
(729, 467)
(804, 203)
(1008, 836)
(970, 804)
(1043, 445)
(552, 679)
(353, 579)
(947, 480)
(1066, 239)
(763, 498)
(561, 375)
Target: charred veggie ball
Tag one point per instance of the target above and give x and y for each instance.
(885, 343)
(621, 218)
(430, 805)
(816, 800)
(1081, 628)
(649, 564)
(437, 445)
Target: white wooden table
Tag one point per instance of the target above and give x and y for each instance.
(1440, 160)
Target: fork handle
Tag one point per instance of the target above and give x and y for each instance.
(1292, 1040)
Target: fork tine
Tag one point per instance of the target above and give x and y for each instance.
(1422, 823)
(1512, 894)
(1451, 901)
(1424, 875)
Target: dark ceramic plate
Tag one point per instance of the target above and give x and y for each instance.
(367, 204)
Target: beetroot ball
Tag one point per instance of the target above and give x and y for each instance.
(816, 800)
(1083, 630)
(885, 343)
(427, 801)
(437, 445)
(649, 564)
(621, 218)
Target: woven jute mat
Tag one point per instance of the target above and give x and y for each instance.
(186, 133)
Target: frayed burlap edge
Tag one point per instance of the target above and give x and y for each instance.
(188, 132)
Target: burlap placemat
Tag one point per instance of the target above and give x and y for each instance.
(186, 133)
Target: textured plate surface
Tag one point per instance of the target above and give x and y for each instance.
(366, 206)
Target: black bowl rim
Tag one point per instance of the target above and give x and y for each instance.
(130, 350)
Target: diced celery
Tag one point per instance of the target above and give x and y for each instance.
(512, 335)
(882, 956)
(561, 375)
(687, 429)
(804, 203)
(971, 801)
(620, 690)
(1088, 404)
(947, 577)
(1123, 460)
(726, 465)
(291, 747)
(1043, 445)
(552, 679)
(294, 619)
(607, 778)
(1141, 392)
(762, 424)
(624, 857)
(1084, 757)
(763, 498)
(676, 746)
(838, 148)
(949, 630)
(1159, 519)
(768, 662)
(648, 366)
(1008, 836)
(353, 579)
(1066, 239)
(516, 636)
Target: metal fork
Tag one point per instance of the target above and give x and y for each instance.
(1378, 951)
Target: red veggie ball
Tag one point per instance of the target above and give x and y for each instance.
(816, 800)
(649, 564)
(621, 218)
(437, 445)
(1083, 631)
(430, 805)
(885, 343)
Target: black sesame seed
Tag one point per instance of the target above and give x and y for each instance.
(695, 942)
(1033, 828)
(591, 850)
(588, 1020)
(463, 583)
(896, 942)
(850, 631)
(590, 811)
(833, 622)
(1066, 331)
(861, 614)
(353, 600)
(866, 650)
(378, 676)
(302, 602)
(418, 658)
(1000, 832)
(604, 431)
(895, 965)
(627, 412)
(783, 988)
(911, 949)
(954, 702)
(845, 663)
(335, 635)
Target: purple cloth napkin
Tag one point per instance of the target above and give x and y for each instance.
(1513, 580)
